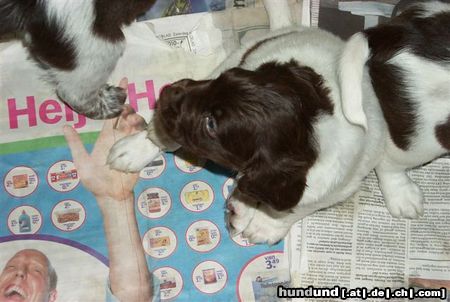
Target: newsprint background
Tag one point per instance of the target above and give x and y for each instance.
(43, 205)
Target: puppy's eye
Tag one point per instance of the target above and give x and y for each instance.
(211, 125)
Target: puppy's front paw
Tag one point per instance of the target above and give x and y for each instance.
(132, 153)
(239, 216)
(405, 201)
(254, 224)
(265, 229)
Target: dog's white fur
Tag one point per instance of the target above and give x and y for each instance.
(75, 59)
(352, 141)
(96, 57)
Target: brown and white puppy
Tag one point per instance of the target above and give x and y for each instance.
(304, 117)
(77, 43)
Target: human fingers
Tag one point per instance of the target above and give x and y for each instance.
(130, 121)
(79, 153)
(107, 133)
(123, 83)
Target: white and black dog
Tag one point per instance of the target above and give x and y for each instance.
(303, 117)
(77, 43)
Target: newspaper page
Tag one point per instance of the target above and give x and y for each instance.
(165, 8)
(346, 17)
(179, 200)
(358, 244)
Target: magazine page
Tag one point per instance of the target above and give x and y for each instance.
(175, 220)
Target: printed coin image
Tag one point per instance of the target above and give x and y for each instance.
(68, 215)
(197, 196)
(209, 277)
(203, 236)
(24, 220)
(154, 169)
(154, 203)
(21, 181)
(159, 242)
(62, 176)
(171, 282)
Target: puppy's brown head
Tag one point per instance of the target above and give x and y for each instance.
(259, 123)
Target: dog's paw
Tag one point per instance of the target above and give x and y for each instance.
(103, 103)
(265, 229)
(254, 224)
(239, 216)
(132, 153)
(405, 200)
(112, 99)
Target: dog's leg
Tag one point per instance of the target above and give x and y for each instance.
(351, 77)
(279, 13)
(402, 196)
(132, 153)
(75, 57)
(91, 97)
(239, 215)
(84, 87)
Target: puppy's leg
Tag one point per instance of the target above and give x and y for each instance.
(268, 225)
(76, 58)
(132, 153)
(258, 222)
(402, 196)
(84, 88)
(239, 215)
(104, 102)
(279, 14)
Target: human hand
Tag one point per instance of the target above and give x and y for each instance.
(95, 175)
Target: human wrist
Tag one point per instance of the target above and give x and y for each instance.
(113, 203)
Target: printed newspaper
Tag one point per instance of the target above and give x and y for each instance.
(359, 244)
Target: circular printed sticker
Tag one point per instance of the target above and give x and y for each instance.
(154, 169)
(242, 241)
(24, 220)
(197, 196)
(203, 236)
(228, 187)
(21, 181)
(171, 282)
(62, 176)
(159, 242)
(188, 163)
(154, 203)
(260, 277)
(68, 215)
(209, 277)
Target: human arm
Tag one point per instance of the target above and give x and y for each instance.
(129, 276)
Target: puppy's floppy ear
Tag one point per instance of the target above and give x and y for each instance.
(277, 184)
(351, 72)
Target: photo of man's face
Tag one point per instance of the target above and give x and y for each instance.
(26, 277)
